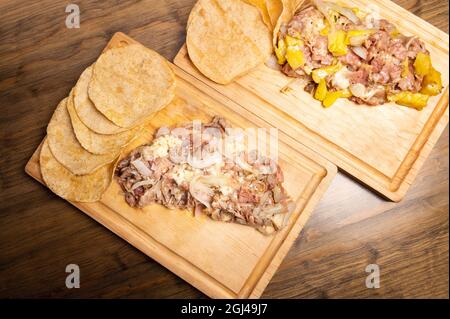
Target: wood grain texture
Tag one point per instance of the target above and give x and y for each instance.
(203, 252)
(40, 234)
(384, 146)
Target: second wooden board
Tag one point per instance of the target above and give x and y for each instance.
(382, 146)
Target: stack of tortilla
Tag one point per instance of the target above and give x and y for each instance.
(105, 111)
(228, 38)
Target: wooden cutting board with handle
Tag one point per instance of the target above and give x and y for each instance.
(223, 260)
(384, 146)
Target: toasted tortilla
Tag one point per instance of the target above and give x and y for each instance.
(226, 39)
(94, 142)
(274, 8)
(66, 148)
(86, 110)
(131, 83)
(288, 11)
(79, 188)
(262, 7)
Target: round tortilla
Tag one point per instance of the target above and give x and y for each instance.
(274, 8)
(131, 83)
(66, 148)
(79, 188)
(86, 110)
(289, 7)
(226, 39)
(97, 143)
(262, 7)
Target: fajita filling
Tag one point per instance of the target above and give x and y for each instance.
(244, 188)
(344, 53)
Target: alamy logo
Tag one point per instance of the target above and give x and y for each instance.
(73, 19)
(373, 279)
(73, 279)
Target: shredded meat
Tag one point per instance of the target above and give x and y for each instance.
(377, 63)
(351, 59)
(319, 49)
(360, 76)
(377, 96)
(304, 23)
(245, 189)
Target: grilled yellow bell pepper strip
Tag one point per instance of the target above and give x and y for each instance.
(291, 41)
(294, 55)
(333, 96)
(346, 93)
(336, 42)
(395, 33)
(357, 33)
(280, 51)
(321, 91)
(321, 73)
(405, 71)
(432, 83)
(422, 64)
(326, 29)
(410, 99)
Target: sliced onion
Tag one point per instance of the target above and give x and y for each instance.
(340, 79)
(215, 158)
(164, 130)
(278, 221)
(360, 51)
(358, 90)
(272, 210)
(244, 165)
(346, 12)
(141, 167)
(272, 63)
(374, 90)
(142, 183)
(358, 40)
(266, 229)
(409, 40)
(371, 21)
(324, 7)
(200, 187)
(200, 191)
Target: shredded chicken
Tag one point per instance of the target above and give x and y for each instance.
(246, 189)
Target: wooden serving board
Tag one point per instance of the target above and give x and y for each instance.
(382, 146)
(222, 260)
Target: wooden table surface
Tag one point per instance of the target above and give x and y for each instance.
(40, 60)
